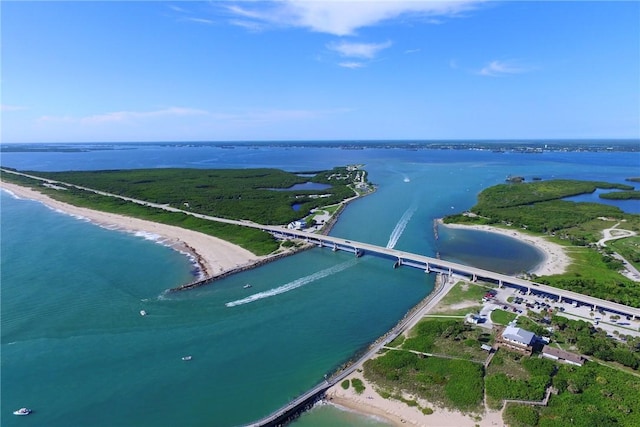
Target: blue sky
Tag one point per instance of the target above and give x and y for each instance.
(254, 70)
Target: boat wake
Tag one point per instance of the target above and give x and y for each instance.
(294, 285)
(400, 226)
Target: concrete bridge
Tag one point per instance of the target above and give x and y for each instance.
(429, 264)
(399, 258)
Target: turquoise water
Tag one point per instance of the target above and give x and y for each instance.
(76, 350)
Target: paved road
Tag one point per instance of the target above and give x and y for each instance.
(407, 257)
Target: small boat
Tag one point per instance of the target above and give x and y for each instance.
(143, 313)
(247, 286)
(22, 411)
(186, 358)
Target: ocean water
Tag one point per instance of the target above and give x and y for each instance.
(75, 348)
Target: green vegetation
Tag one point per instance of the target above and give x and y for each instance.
(592, 395)
(252, 194)
(594, 342)
(621, 195)
(591, 274)
(629, 248)
(239, 194)
(507, 195)
(520, 415)
(452, 383)
(256, 241)
(504, 385)
(502, 317)
(466, 296)
(448, 337)
(358, 385)
(537, 207)
(345, 384)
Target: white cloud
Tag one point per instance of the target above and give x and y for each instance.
(358, 50)
(500, 68)
(167, 114)
(125, 116)
(352, 65)
(199, 20)
(252, 26)
(342, 18)
(12, 108)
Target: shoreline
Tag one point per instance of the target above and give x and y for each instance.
(555, 260)
(397, 413)
(211, 255)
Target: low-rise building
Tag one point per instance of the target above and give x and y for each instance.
(297, 225)
(562, 355)
(517, 339)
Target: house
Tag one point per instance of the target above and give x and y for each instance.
(297, 225)
(562, 356)
(517, 339)
(486, 347)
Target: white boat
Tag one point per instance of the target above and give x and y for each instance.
(22, 411)
(186, 357)
(143, 313)
(247, 286)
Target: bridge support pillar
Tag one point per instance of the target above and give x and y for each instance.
(528, 291)
(335, 247)
(474, 278)
(499, 283)
(428, 270)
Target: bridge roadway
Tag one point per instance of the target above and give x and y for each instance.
(425, 263)
(429, 264)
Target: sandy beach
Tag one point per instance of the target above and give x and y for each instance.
(398, 413)
(213, 256)
(555, 260)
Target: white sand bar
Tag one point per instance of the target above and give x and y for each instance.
(214, 255)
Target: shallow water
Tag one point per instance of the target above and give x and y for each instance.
(74, 346)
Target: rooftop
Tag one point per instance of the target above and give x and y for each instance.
(518, 335)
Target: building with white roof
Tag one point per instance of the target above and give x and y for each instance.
(517, 339)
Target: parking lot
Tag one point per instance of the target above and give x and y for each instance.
(518, 302)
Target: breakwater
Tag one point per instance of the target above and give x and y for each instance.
(240, 269)
(295, 408)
